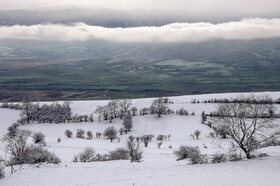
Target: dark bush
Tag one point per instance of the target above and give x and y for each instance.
(184, 152)
(134, 150)
(160, 137)
(87, 155)
(193, 153)
(39, 138)
(98, 134)
(197, 133)
(80, 133)
(218, 158)
(89, 135)
(68, 133)
(38, 154)
(119, 154)
(110, 133)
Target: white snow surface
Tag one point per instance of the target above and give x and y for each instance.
(159, 165)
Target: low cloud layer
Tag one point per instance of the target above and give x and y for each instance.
(247, 29)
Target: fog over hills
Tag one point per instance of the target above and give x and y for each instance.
(116, 18)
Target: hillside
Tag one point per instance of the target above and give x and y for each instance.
(159, 165)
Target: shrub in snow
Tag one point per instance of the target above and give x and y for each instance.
(134, 111)
(146, 140)
(159, 144)
(168, 137)
(75, 159)
(222, 130)
(102, 157)
(234, 154)
(131, 138)
(160, 137)
(193, 153)
(182, 112)
(39, 138)
(119, 154)
(151, 136)
(17, 145)
(12, 130)
(110, 133)
(58, 140)
(87, 155)
(261, 155)
(89, 135)
(98, 134)
(235, 157)
(68, 133)
(218, 158)
(80, 133)
(38, 154)
(137, 139)
(134, 151)
(193, 113)
(197, 133)
(144, 111)
(211, 134)
(170, 146)
(192, 135)
(121, 131)
(197, 158)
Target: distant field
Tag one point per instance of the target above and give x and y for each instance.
(102, 79)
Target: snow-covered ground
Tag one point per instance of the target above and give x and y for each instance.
(159, 166)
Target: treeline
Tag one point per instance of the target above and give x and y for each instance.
(248, 100)
(61, 113)
(54, 113)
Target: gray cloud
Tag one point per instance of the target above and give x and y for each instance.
(246, 29)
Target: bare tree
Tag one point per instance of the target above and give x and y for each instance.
(134, 150)
(197, 133)
(248, 124)
(127, 121)
(125, 104)
(110, 133)
(16, 145)
(99, 111)
(158, 107)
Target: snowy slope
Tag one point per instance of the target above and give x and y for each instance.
(159, 166)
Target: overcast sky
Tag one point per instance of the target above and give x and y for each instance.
(262, 21)
(215, 6)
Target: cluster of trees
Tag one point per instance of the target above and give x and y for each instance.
(120, 108)
(114, 109)
(54, 113)
(12, 106)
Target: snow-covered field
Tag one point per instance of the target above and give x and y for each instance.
(159, 166)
